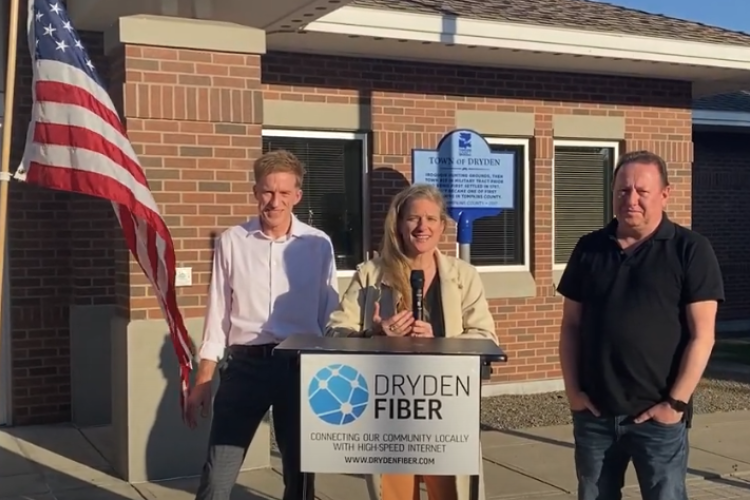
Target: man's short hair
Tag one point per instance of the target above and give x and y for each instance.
(278, 161)
(645, 157)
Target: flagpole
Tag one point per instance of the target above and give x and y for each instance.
(10, 87)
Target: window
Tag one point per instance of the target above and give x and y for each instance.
(582, 177)
(333, 197)
(503, 240)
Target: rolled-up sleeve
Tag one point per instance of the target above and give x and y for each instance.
(217, 324)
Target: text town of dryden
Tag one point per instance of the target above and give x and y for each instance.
(476, 187)
(402, 397)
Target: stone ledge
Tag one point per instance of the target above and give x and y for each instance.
(507, 284)
(316, 115)
(497, 123)
(492, 389)
(589, 127)
(182, 33)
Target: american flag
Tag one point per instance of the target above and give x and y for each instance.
(76, 142)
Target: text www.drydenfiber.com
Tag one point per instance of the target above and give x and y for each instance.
(390, 460)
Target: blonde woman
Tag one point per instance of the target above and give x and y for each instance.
(378, 302)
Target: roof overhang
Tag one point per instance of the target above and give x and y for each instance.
(269, 15)
(709, 118)
(370, 32)
(332, 27)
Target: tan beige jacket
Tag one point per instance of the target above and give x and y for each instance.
(465, 310)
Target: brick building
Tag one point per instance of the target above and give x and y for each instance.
(721, 181)
(205, 87)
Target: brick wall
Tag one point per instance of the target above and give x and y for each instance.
(59, 254)
(721, 180)
(414, 104)
(195, 120)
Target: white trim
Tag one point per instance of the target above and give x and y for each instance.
(350, 136)
(312, 134)
(434, 28)
(580, 144)
(526, 266)
(721, 118)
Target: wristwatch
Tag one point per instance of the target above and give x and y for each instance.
(677, 405)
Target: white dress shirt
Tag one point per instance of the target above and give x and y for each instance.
(264, 290)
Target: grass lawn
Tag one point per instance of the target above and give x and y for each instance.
(732, 350)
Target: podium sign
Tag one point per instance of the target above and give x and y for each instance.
(375, 414)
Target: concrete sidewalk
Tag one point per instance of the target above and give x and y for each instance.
(61, 463)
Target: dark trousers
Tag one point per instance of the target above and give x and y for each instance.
(251, 381)
(605, 445)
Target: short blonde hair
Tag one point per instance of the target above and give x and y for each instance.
(277, 161)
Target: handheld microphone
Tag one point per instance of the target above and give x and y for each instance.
(417, 285)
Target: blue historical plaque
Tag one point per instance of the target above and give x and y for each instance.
(475, 181)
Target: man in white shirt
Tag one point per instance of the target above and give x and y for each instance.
(272, 277)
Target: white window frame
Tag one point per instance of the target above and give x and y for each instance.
(349, 136)
(526, 266)
(576, 144)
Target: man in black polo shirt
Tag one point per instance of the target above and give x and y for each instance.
(637, 331)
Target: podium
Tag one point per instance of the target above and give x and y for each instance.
(393, 405)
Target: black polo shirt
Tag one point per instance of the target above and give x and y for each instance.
(633, 326)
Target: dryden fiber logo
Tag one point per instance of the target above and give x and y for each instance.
(338, 394)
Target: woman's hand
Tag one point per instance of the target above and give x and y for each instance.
(421, 329)
(395, 326)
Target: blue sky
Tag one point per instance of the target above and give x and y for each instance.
(731, 14)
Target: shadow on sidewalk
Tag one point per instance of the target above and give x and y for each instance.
(708, 476)
(23, 477)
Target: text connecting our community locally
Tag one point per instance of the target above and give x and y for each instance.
(388, 437)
